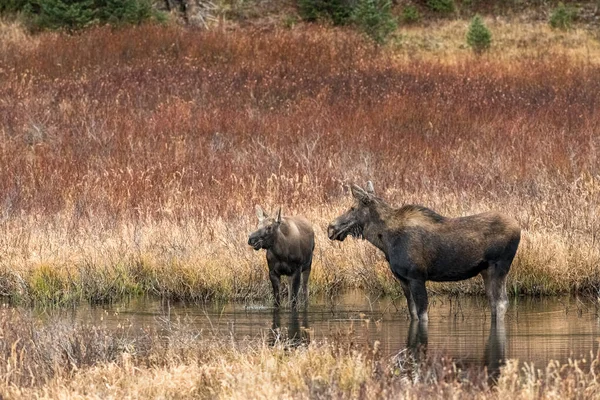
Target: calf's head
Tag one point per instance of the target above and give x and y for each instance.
(353, 221)
(264, 236)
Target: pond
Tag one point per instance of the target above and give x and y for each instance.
(535, 330)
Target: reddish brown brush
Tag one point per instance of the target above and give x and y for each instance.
(125, 122)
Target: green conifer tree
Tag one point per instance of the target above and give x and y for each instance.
(479, 37)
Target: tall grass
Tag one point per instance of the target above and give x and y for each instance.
(131, 160)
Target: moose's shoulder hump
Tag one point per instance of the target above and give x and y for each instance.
(413, 211)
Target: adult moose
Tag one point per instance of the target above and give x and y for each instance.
(421, 245)
(289, 242)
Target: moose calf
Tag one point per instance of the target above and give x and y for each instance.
(289, 242)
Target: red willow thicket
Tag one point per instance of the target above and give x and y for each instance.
(153, 121)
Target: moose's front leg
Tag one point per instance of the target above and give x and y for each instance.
(305, 276)
(419, 295)
(275, 282)
(412, 307)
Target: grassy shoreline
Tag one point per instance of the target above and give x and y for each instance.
(62, 265)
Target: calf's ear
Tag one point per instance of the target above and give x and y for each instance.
(260, 214)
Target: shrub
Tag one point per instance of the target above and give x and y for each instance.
(338, 11)
(125, 11)
(479, 37)
(55, 14)
(375, 18)
(441, 6)
(76, 14)
(410, 15)
(562, 17)
(11, 6)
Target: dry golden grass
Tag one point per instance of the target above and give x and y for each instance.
(208, 260)
(512, 39)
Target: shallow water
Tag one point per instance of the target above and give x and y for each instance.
(535, 330)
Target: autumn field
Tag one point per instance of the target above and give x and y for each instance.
(131, 159)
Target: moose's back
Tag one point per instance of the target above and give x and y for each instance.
(451, 249)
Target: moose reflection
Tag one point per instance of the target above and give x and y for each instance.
(495, 351)
(292, 334)
(417, 342)
(421, 245)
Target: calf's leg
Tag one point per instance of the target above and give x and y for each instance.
(295, 278)
(305, 276)
(275, 282)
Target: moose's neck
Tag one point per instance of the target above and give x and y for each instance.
(375, 230)
(374, 234)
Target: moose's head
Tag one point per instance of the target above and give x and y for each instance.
(353, 221)
(264, 236)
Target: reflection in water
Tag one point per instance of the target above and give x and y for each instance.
(495, 351)
(416, 343)
(418, 332)
(296, 333)
(535, 330)
(494, 355)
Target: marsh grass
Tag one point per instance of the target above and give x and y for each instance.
(131, 159)
(55, 359)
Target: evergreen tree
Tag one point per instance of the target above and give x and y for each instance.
(562, 17)
(76, 14)
(479, 36)
(68, 14)
(375, 18)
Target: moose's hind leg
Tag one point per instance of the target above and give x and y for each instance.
(494, 279)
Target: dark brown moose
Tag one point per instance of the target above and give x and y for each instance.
(421, 245)
(289, 242)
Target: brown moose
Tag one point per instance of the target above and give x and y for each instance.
(289, 242)
(421, 245)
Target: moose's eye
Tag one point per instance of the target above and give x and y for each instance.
(352, 208)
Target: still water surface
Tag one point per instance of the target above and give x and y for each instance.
(535, 330)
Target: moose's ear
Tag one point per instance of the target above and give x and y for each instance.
(260, 214)
(370, 188)
(360, 195)
(278, 218)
